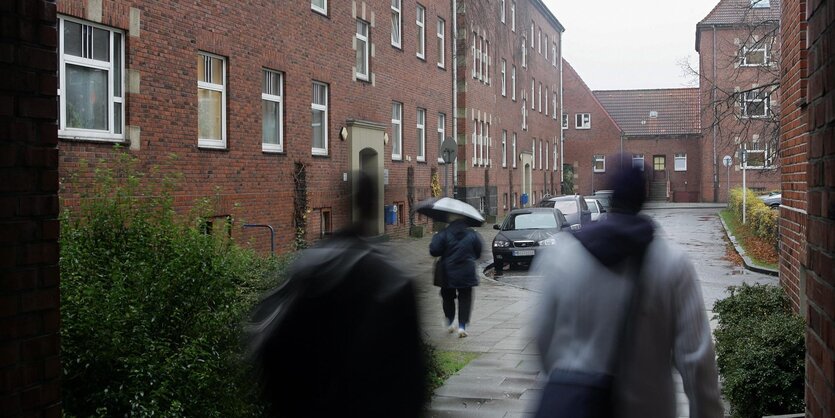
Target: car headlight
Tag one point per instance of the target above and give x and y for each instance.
(501, 244)
(546, 242)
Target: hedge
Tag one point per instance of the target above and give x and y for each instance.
(762, 220)
(760, 352)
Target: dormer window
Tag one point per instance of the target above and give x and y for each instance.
(653, 114)
(760, 4)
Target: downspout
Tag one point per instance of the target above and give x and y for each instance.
(715, 121)
(455, 93)
(562, 131)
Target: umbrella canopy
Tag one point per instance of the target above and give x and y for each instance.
(442, 209)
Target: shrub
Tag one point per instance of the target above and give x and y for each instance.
(760, 351)
(762, 220)
(151, 307)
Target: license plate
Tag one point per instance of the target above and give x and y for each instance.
(520, 253)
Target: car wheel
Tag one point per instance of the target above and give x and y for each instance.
(498, 267)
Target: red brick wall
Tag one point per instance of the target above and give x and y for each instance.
(476, 96)
(582, 144)
(684, 185)
(254, 186)
(820, 198)
(30, 368)
(723, 59)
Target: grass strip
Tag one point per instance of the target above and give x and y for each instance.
(759, 251)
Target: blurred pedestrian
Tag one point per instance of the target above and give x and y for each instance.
(621, 307)
(341, 336)
(459, 247)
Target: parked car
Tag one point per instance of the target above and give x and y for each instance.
(773, 199)
(598, 212)
(574, 208)
(605, 197)
(524, 232)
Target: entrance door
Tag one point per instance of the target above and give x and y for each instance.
(659, 167)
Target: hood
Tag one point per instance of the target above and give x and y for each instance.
(323, 268)
(617, 237)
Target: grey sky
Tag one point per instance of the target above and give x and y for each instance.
(636, 44)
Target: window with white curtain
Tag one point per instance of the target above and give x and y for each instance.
(272, 111)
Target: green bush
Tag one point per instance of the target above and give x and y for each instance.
(151, 307)
(762, 220)
(760, 352)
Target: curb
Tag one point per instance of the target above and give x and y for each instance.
(746, 261)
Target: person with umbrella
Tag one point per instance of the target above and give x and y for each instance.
(459, 247)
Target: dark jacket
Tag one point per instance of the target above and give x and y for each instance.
(460, 247)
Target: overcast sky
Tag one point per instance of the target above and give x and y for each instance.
(635, 44)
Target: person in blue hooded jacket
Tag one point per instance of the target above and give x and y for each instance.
(459, 247)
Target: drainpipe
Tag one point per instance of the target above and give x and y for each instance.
(562, 131)
(715, 121)
(454, 91)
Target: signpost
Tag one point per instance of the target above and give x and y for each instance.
(727, 161)
(449, 149)
(743, 161)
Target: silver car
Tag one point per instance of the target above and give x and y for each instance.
(598, 212)
(772, 200)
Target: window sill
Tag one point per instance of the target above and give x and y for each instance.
(87, 138)
(582, 128)
(272, 151)
(320, 154)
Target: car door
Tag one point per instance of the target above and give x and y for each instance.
(585, 213)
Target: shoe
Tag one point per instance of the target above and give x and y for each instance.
(462, 333)
(449, 326)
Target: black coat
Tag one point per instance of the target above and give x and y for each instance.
(460, 247)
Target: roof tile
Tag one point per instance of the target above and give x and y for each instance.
(653, 112)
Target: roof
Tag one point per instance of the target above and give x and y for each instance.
(653, 112)
(730, 12)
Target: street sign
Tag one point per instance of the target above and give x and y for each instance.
(448, 150)
(727, 161)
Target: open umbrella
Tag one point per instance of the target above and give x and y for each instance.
(441, 209)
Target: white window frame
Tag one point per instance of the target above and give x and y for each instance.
(504, 78)
(748, 51)
(546, 47)
(582, 121)
(754, 148)
(476, 55)
(480, 52)
(539, 97)
(514, 150)
(524, 51)
(420, 131)
(319, 9)
(539, 41)
(524, 114)
(271, 77)
(476, 147)
(397, 131)
(487, 161)
(554, 104)
(532, 34)
(638, 161)
(420, 21)
(750, 97)
(485, 61)
(441, 42)
(513, 83)
(115, 132)
(540, 155)
(546, 100)
(322, 108)
(501, 11)
(533, 153)
(513, 18)
(504, 147)
(210, 142)
(441, 135)
(680, 157)
(554, 54)
(363, 44)
(533, 93)
(598, 159)
(546, 154)
(554, 151)
(397, 23)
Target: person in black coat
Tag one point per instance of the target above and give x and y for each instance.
(459, 247)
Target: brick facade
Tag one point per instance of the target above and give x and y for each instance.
(30, 368)
(483, 180)
(162, 42)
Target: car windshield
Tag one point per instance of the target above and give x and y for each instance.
(530, 221)
(567, 207)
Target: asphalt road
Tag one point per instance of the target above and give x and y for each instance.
(698, 231)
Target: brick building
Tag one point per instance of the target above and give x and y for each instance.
(661, 133)
(807, 214)
(335, 87)
(508, 98)
(739, 66)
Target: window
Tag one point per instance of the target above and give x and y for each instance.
(325, 225)
(680, 163)
(524, 114)
(504, 78)
(396, 23)
(565, 120)
(546, 101)
(91, 81)
(524, 52)
(485, 61)
(539, 97)
(420, 20)
(504, 148)
(421, 134)
(546, 156)
(363, 50)
(546, 48)
(539, 41)
(540, 155)
(272, 112)
(554, 148)
(476, 55)
(532, 35)
(755, 103)
(486, 132)
(476, 148)
(513, 17)
(554, 104)
(513, 146)
(582, 120)
(756, 55)
(441, 133)
(533, 94)
(758, 155)
(599, 163)
(319, 107)
(501, 10)
(554, 54)
(396, 131)
(533, 153)
(638, 161)
(441, 43)
(760, 3)
(211, 101)
(320, 6)
(659, 162)
(513, 83)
